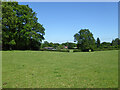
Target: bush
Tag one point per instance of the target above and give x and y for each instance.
(57, 50)
(64, 50)
(76, 50)
(105, 49)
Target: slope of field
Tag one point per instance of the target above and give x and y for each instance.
(44, 69)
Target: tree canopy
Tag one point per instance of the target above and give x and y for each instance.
(20, 28)
(98, 42)
(85, 40)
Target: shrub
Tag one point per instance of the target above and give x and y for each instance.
(105, 49)
(76, 50)
(57, 50)
(64, 50)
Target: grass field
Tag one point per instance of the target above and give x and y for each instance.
(44, 69)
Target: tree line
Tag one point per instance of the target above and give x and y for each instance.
(21, 31)
(69, 45)
(85, 46)
(86, 42)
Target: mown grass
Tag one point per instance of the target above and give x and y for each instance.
(45, 69)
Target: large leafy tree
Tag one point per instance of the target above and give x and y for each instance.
(85, 40)
(20, 28)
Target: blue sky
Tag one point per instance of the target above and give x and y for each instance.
(62, 20)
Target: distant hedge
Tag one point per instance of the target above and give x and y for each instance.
(58, 50)
(77, 50)
(105, 49)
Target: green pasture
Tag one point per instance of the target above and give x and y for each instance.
(45, 69)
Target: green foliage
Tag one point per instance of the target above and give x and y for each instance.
(60, 47)
(20, 27)
(69, 44)
(55, 50)
(51, 44)
(45, 44)
(85, 40)
(0, 40)
(56, 45)
(116, 42)
(12, 42)
(105, 45)
(64, 50)
(114, 45)
(76, 50)
(98, 42)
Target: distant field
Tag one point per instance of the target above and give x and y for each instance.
(44, 69)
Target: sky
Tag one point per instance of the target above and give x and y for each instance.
(62, 20)
(68, 0)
